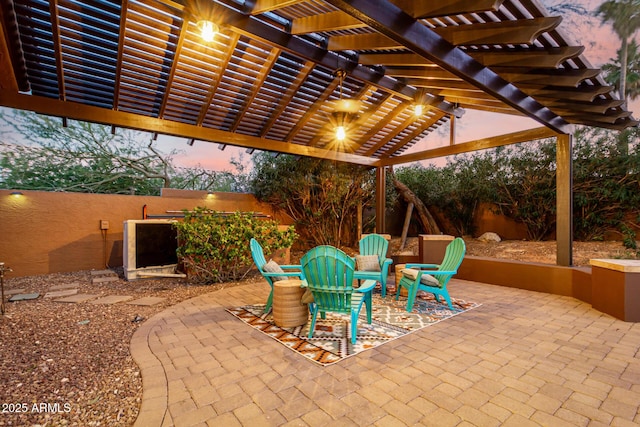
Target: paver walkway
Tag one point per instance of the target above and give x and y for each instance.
(521, 359)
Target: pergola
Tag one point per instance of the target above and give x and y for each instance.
(274, 74)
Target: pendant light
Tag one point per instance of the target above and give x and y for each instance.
(208, 30)
(345, 111)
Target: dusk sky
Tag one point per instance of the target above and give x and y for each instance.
(583, 28)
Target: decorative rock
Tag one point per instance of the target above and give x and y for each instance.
(489, 237)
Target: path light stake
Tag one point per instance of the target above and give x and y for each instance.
(2, 270)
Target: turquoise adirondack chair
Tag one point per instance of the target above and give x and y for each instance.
(375, 244)
(433, 278)
(271, 271)
(328, 274)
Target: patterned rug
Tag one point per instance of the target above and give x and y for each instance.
(331, 340)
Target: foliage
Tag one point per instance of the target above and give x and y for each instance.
(606, 185)
(525, 185)
(81, 157)
(455, 189)
(86, 157)
(624, 17)
(321, 196)
(612, 71)
(520, 180)
(215, 248)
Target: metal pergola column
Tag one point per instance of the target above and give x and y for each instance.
(381, 191)
(564, 200)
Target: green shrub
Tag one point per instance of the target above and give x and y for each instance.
(215, 248)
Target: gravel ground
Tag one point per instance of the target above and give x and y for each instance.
(69, 364)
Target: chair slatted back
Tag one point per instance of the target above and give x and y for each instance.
(374, 244)
(329, 274)
(453, 256)
(257, 254)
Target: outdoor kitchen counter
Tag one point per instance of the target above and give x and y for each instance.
(616, 288)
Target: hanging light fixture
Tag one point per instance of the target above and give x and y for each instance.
(208, 30)
(420, 103)
(341, 130)
(344, 110)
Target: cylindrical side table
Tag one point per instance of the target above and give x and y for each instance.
(288, 311)
(399, 268)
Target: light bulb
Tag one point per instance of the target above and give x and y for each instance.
(208, 30)
(418, 110)
(341, 133)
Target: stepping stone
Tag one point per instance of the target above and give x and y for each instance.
(9, 292)
(77, 298)
(105, 279)
(23, 297)
(101, 272)
(63, 293)
(147, 301)
(111, 299)
(64, 286)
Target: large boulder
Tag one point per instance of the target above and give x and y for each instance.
(490, 237)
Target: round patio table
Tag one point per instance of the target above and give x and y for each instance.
(288, 311)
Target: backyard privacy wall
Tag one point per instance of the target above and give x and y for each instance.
(49, 232)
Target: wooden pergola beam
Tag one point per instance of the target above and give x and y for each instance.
(262, 6)
(75, 111)
(251, 27)
(433, 9)
(523, 31)
(465, 147)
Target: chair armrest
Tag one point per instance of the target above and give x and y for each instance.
(284, 274)
(436, 272)
(387, 261)
(414, 265)
(366, 286)
(291, 266)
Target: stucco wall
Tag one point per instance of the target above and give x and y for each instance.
(47, 232)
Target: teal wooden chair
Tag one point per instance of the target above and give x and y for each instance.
(328, 274)
(374, 245)
(271, 271)
(433, 278)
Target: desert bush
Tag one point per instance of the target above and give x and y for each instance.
(321, 196)
(520, 181)
(215, 248)
(456, 189)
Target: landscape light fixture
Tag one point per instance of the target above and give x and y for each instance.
(208, 30)
(17, 193)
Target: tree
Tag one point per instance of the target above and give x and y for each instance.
(455, 190)
(86, 157)
(81, 157)
(624, 16)
(320, 195)
(606, 186)
(199, 178)
(613, 72)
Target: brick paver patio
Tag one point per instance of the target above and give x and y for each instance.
(521, 359)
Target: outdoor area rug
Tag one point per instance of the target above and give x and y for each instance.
(331, 340)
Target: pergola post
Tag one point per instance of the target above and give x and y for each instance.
(564, 200)
(381, 191)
